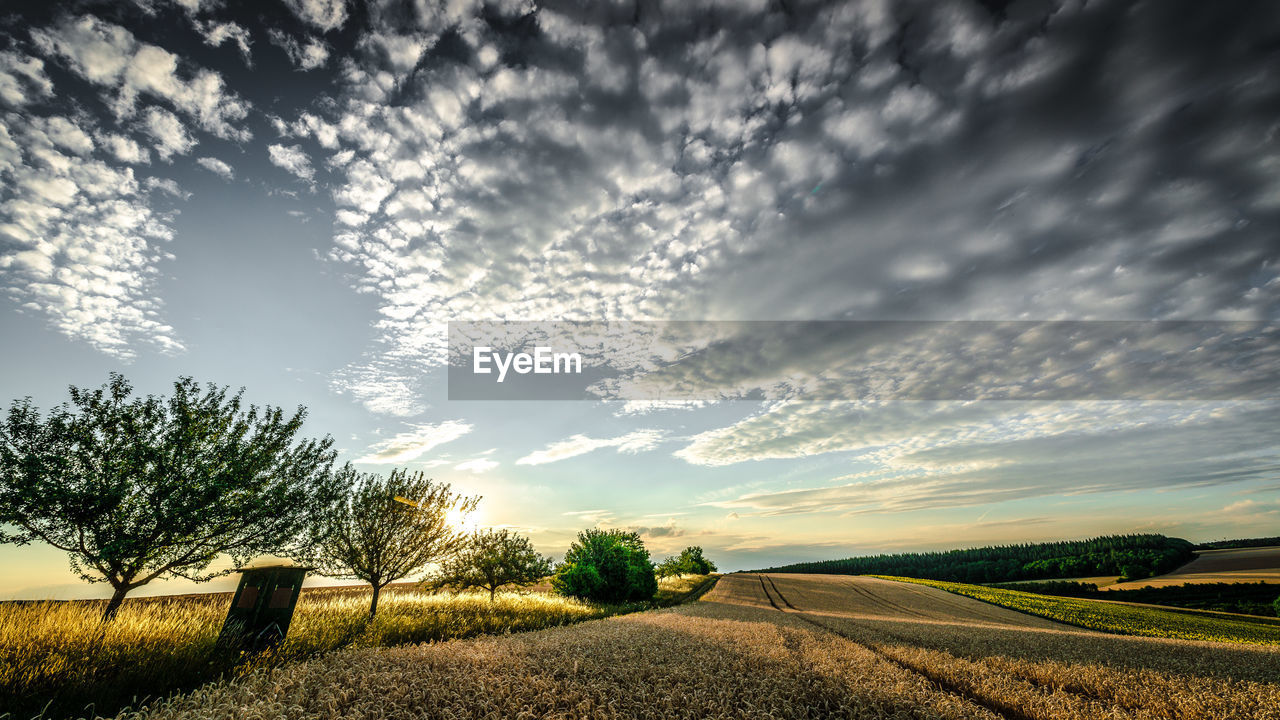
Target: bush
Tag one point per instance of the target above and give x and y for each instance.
(606, 566)
(690, 561)
(1277, 605)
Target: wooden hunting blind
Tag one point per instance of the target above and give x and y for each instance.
(262, 607)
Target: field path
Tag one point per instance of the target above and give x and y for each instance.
(775, 646)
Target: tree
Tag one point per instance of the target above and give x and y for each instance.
(139, 488)
(492, 559)
(606, 566)
(690, 561)
(388, 528)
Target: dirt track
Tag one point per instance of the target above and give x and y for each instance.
(780, 646)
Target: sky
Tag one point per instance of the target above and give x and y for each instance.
(298, 197)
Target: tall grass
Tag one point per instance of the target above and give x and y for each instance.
(59, 654)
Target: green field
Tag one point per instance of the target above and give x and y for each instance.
(1122, 619)
(60, 655)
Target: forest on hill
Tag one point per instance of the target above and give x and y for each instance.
(1131, 556)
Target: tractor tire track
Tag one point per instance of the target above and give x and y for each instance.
(1004, 710)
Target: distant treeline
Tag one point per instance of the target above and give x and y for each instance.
(1248, 598)
(1245, 543)
(1131, 556)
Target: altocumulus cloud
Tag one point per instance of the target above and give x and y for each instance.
(82, 236)
(705, 160)
(292, 159)
(813, 160)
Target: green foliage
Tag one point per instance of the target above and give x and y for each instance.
(690, 561)
(387, 528)
(580, 580)
(1122, 619)
(609, 566)
(1247, 598)
(1144, 555)
(492, 559)
(1133, 571)
(139, 488)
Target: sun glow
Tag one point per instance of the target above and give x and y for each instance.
(464, 522)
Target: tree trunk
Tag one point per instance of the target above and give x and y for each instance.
(113, 605)
(492, 590)
(373, 606)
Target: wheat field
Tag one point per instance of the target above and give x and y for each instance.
(1124, 618)
(60, 652)
(788, 646)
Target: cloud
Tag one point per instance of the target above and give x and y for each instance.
(190, 7)
(109, 56)
(380, 388)
(593, 517)
(307, 54)
(669, 530)
(166, 185)
(167, 134)
(80, 241)
(125, 149)
(217, 33)
(325, 15)
(980, 454)
(408, 446)
(22, 79)
(922, 161)
(477, 465)
(292, 159)
(217, 167)
(632, 442)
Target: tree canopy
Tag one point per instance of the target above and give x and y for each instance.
(388, 528)
(606, 566)
(492, 559)
(690, 561)
(136, 488)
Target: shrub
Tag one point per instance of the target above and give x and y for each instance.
(606, 566)
(690, 561)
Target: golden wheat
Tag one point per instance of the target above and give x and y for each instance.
(1123, 618)
(61, 651)
(785, 647)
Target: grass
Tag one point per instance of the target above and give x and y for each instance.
(58, 656)
(1179, 624)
